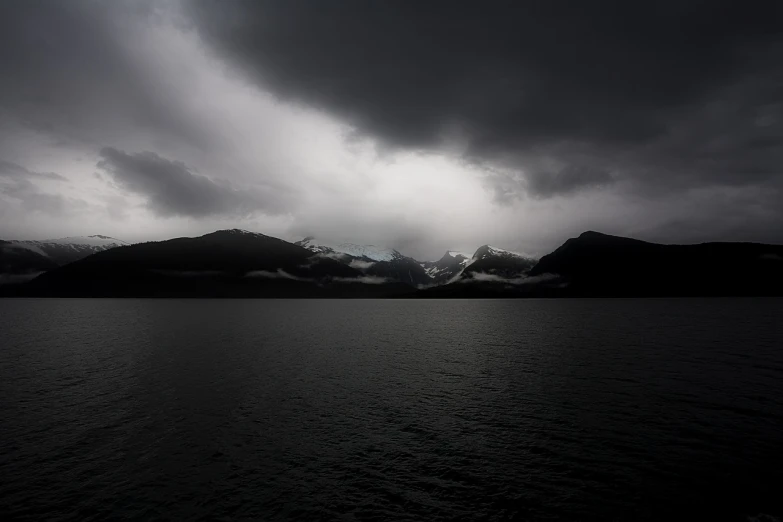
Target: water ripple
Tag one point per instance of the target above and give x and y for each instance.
(391, 410)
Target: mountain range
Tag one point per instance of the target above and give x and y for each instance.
(238, 263)
(23, 260)
(372, 261)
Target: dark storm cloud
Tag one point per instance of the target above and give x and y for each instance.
(662, 119)
(173, 189)
(568, 178)
(670, 93)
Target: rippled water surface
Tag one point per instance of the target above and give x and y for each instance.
(391, 410)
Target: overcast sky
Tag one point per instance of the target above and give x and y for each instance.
(421, 125)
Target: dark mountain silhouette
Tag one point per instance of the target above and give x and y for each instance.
(403, 270)
(447, 267)
(23, 260)
(236, 263)
(602, 265)
(227, 263)
(494, 261)
(18, 264)
(490, 272)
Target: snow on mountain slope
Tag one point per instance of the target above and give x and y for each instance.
(68, 249)
(77, 241)
(456, 266)
(237, 232)
(28, 245)
(455, 254)
(448, 266)
(489, 250)
(432, 270)
(372, 260)
(452, 266)
(371, 252)
(18, 264)
(497, 263)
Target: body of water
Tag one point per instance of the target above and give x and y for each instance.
(658, 409)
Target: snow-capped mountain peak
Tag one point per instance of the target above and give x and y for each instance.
(456, 254)
(371, 252)
(95, 240)
(372, 260)
(449, 265)
(457, 266)
(489, 250)
(239, 232)
(65, 250)
(235, 232)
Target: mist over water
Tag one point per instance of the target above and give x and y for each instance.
(625, 409)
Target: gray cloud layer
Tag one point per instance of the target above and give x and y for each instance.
(422, 126)
(571, 94)
(172, 189)
(59, 58)
(11, 170)
(19, 183)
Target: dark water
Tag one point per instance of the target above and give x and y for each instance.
(391, 410)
